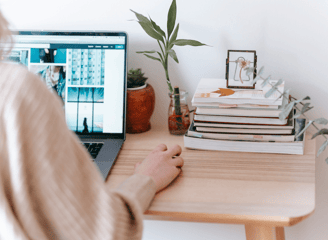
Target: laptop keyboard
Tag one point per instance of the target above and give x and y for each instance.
(93, 148)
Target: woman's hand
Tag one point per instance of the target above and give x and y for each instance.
(162, 164)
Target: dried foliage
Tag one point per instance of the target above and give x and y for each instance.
(301, 105)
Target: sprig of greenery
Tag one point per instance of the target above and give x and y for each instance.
(293, 104)
(166, 41)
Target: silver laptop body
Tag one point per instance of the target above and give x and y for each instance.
(87, 70)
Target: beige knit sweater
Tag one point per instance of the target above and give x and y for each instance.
(49, 188)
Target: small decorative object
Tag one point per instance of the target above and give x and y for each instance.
(178, 120)
(166, 42)
(237, 65)
(140, 102)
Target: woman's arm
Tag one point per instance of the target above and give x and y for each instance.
(48, 179)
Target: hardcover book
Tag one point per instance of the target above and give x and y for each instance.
(292, 147)
(251, 136)
(254, 112)
(240, 120)
(214, 90)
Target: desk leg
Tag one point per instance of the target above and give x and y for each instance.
(264, 232)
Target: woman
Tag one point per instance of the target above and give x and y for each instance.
(51, 194)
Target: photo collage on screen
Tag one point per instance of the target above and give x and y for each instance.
(76, 76)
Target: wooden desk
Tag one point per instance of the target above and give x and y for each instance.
(265, 192)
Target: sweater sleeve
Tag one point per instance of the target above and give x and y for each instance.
(47, 177)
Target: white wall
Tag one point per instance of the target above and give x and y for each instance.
(290, 37)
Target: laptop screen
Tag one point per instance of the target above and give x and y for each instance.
(86, 69)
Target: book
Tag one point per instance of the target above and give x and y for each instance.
(214, 90)
(289, 126)
(240, 106)
(241, 136)
(294, 147)
(244, 130)
(240, 120)
(251, 112)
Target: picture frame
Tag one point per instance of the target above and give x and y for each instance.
(236, 64)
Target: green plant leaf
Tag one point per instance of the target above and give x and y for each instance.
(151, 57)
(141, 17)
(171, 17)
(160, 55)
(304, 129)
(184, 42)
(173, 37)
(173, 55)
(321, 131)
(148, 28)
(326, 160)
(157, 28)
(146, 51)
(285, 112)
(322, 121)
(261, 71)
(322, 148)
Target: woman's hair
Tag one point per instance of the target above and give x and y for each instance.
(6, 40)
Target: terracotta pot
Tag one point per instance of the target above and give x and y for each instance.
(140, 107)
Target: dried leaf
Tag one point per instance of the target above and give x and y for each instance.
(322, 148)
(304, 99)
(285, 94)
(321, 131)
(270, 92)
(258, 77)
(280, 81)
(304, 129)
(286, 111)
(322, 121)
(304, 109)
(273, 89)
(261, 70)
(171, 17)
(173, 55)
(249, 70)
(266, 81)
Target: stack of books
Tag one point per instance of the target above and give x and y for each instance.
(242, 120)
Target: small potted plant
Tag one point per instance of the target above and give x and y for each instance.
(178, 119)
(140, 102)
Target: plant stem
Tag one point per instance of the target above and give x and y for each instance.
(177, 107)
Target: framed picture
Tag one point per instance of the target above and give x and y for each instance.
(237, 63)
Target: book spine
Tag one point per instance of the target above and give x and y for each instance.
(242, 146)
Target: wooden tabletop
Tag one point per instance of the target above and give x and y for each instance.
(226, 187)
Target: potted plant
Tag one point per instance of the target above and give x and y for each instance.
(140, 102)
(178, 115)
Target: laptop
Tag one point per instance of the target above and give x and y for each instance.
(87, 70)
